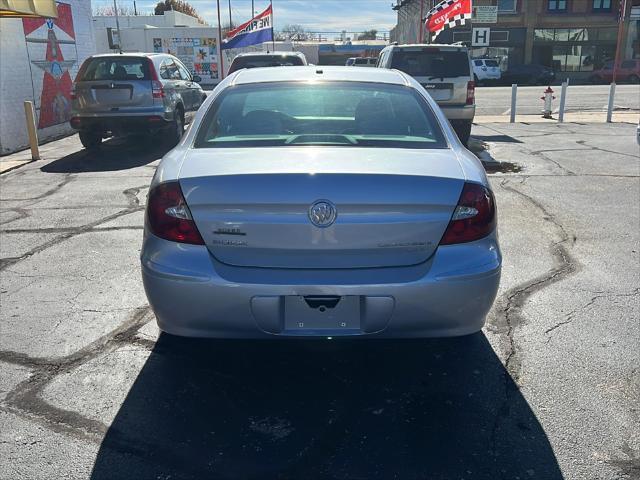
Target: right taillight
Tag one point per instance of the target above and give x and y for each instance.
(474, 216)
(471, 92)
(168, 215)
(157, 91)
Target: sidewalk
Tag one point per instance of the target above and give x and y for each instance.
(571, 117)
(48, 150)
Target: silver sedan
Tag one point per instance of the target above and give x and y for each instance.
(320, 201)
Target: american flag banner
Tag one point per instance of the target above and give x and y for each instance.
(448, 14)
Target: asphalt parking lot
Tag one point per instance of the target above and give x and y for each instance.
(548, 390)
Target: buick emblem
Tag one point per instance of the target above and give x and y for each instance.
(322, 213)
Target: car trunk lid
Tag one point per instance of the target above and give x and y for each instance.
(391, 209)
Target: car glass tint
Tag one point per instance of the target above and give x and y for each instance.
(333, 113)
(361, 61)
(116, 68)
(432, 62)
(491, 63)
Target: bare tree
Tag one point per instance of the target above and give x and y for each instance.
(109, 11)
(178, 6)
(368, 35)
(292, 32)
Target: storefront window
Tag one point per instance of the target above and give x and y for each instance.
(543, 35)
(588, 59)
(610, 34)
(574, 58)
(562, 35)
(577, 34)
(559, 58)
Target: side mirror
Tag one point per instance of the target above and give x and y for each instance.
(196, 78)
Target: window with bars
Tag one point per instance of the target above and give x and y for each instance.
(601, 5)
(557, 5)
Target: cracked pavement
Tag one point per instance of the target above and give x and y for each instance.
(549, 390)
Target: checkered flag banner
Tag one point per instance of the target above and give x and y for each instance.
(448, 14)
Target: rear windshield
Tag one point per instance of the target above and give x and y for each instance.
(331, 113)
(432, 62)
(491, 63)
(115, 68)
(264, 61)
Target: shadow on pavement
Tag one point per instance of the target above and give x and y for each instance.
(429, 409)
(114, 154)
(496, 138)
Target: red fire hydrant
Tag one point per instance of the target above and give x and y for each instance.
(548, 97)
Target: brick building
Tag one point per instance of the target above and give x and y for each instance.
(39, 58)
(572, 36)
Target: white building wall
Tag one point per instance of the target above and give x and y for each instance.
(21, 79)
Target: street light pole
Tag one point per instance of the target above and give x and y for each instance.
(115, 12)
(616, 63)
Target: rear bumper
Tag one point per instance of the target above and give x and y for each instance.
(459, 112)
(120, 124)
(194, 295)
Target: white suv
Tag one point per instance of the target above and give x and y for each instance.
(486, 69)
(445, 72)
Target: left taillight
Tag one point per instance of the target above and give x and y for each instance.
(168, 215)
(471, 92)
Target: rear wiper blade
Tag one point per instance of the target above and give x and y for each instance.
(441, 77)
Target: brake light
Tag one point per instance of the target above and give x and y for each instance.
(168, 215)
(157, 91)
(471, 92)
(474, 216)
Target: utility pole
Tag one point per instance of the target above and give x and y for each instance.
(616, 63)
(230, 22)
(420, 27)
(253, 10)
(115, 12)
(135, 10)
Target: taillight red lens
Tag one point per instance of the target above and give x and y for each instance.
(471, 92)
(169, 217)
(474, 216)
(156, 89)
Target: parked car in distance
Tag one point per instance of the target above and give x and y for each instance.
(361, 62)
(121, 94)
(308, 202)
(273, 59)
(486, 70)
(445, 72)
(629, 71)
(531, 74)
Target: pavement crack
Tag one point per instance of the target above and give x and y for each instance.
(510, 305)
(26, 401)
(134, 206)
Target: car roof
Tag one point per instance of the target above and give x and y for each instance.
(269, 54)
(316, 72)
(429, 45)
(128, 54)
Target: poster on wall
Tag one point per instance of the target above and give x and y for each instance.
(199, 55)
(51, 48)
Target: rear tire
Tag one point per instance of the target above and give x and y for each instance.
(90, 140)
(463, 130)
(176, 130)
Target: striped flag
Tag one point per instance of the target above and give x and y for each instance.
(448, 14)
(257, 30)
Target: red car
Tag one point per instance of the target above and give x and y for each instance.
(629, 71)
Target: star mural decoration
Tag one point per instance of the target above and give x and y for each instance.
(55, 98)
